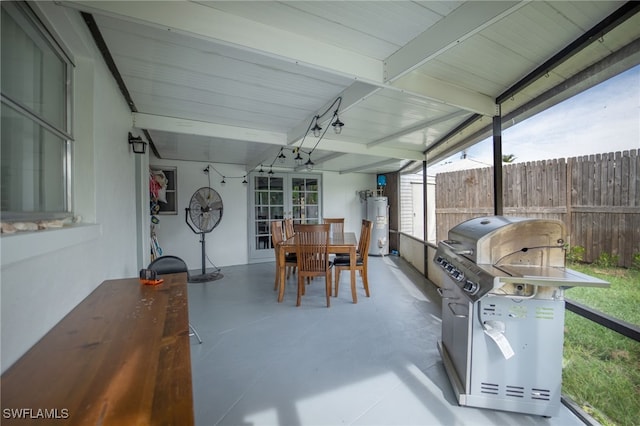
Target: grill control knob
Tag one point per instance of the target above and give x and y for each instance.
(458, 276)
(470, 287)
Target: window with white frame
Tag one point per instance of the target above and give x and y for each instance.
(36, 76)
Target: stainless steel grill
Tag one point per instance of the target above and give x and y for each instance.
(503, 312)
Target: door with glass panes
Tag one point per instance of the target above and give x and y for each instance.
(278, 196)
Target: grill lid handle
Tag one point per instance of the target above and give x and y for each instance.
(451, 245)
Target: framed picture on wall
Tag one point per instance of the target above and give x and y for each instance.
(163, 188)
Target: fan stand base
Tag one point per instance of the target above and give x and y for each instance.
(203, 278)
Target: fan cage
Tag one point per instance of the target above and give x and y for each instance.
(205, 209)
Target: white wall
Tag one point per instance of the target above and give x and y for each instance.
(340, 198)
(412, 250)
(47, 273)
(228, 243)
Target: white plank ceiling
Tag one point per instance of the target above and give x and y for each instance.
(237, 81)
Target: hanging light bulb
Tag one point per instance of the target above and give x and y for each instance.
(261, 170)
(298, 158)
(244, 179)
(223, 181)
(337, 124)
(309, 164)
(270, 170)
(316, 128)
(281, 157)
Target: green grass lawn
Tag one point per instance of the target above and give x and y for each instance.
(601, 368)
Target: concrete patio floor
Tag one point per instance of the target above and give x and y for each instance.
(370, 363)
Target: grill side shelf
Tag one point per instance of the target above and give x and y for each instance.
(548, 276)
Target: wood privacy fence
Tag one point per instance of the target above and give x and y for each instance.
(596, 196)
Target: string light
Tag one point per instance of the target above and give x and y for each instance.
(316, 129)
(281, 156)
(314, 126)
(309, 164)
(207, 171)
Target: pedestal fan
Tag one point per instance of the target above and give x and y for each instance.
(204, 211)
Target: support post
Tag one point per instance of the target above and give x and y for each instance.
(498, 208)
(425, 220)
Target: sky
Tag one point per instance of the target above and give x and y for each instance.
(605, 118)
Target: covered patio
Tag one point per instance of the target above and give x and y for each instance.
(227, 87)
(375, 362)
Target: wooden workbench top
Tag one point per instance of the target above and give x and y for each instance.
(121, 357)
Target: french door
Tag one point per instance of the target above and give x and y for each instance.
(278, 196)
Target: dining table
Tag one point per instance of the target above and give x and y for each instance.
(345, 242)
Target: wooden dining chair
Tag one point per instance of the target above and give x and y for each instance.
(313, 257)
(342, 263)
(290, 260)
(288, 228)
(337, 224)
(337, 227)
(173, 265)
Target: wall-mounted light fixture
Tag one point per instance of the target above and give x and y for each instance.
(138, 145)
